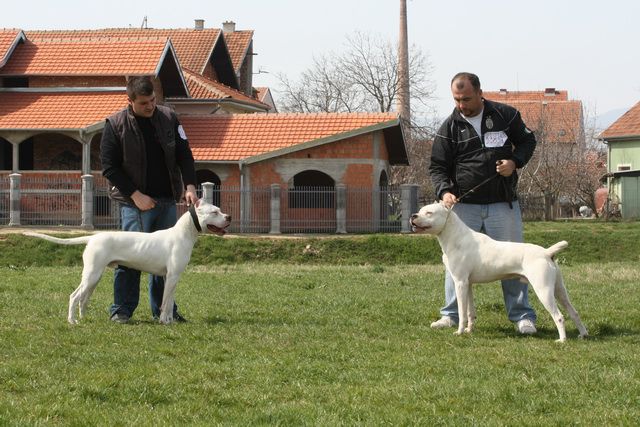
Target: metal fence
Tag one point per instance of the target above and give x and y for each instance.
(4, 200)
(56, 199)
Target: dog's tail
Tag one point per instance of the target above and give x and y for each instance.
(553, 250)
(72, 241)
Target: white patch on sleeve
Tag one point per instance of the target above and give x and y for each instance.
(495, 139)
(181, 132)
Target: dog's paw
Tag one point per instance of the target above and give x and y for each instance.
(468, 330)
(458, 333)
(166, 319)
(72, 321)
(560, 340)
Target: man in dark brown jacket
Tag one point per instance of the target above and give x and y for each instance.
(146, 157)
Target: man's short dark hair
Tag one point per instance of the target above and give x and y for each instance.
(472, 78)
(139, 86)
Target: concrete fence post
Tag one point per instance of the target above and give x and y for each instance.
(409, 203)
(207, 192)
(275, 209)
(87, 201)
(341, 209)
(14, 200)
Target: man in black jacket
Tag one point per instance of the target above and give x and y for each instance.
(146, 157)
(473, 170)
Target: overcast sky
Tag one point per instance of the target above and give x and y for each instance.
(587, 47)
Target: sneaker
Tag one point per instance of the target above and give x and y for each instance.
(526, 327)
(444, 322)
(120, 318)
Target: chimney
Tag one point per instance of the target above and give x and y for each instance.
(403, 100)
(503, 91)
(228, 26)
(199, 24)
(550, 91)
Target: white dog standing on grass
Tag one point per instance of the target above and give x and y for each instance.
(162, 253)
(473, 257)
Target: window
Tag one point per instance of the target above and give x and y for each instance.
(624, 168)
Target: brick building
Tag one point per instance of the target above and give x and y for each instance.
(56, 88)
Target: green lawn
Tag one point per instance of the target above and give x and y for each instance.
(290, 344)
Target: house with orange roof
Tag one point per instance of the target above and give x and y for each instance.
(623, 142)
(550, 113)
(57, 87)
(263, 94)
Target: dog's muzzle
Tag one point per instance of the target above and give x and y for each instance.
(220, 231)
(414, 226)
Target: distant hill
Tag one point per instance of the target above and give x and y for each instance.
(605, 120)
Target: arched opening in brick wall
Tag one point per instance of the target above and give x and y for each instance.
(205, 175)
(384, 179)
(96, 164)
(6, 155)
(312, 189)
(50, 151)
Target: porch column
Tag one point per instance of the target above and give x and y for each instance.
(87, 202)
(14, 200)
(86, 157)
(15, 157)
(207, 192)
(275, 209)
(409, 202)
(341, 209)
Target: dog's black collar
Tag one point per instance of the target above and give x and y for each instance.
(194, 217)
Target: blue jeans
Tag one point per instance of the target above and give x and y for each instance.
(499, 222)
(126, 283)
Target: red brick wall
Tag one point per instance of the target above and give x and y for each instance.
(56, 152)
(80, 81)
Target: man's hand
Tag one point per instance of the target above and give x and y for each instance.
(142, 201)
(505, 167)
(190, 195)
(449, 200)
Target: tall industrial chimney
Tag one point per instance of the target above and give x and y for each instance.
(403, 103)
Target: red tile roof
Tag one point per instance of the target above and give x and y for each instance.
(98, 57)
(504, 95)
(625, 126)
(221, 137)
(193, 47)
(8, 40)
(552, 118)
(57, 110)
(201, 87)
(238, 43)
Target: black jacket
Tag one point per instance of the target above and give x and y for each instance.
(124, 161)
(460, 159)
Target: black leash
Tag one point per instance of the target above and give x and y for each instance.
(194, 217)
(477, 186)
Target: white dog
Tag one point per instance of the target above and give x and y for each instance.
(473, 257)
(162, 253)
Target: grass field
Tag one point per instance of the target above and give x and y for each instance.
(315, 344)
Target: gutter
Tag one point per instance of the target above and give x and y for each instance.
(228, 101)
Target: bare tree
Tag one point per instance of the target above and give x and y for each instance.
(563, 167)
(365, 78)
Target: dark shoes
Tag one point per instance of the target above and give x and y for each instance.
(120, 318)
(178, 318)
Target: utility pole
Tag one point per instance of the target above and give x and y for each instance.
(403, 103)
